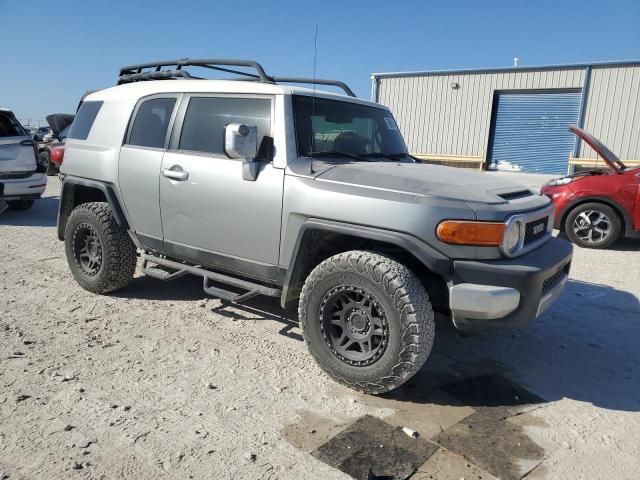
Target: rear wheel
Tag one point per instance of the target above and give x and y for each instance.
(101, 256)
(367, 320)
(20, 204)
(45, 164)
(593, 225)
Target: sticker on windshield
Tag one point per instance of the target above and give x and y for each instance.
(391, 123)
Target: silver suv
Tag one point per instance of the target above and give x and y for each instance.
(22, 179)
(266, 189)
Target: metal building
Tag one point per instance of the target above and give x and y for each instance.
(516, 118)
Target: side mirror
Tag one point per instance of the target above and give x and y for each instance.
(241, 141)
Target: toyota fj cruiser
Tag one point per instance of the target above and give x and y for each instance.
(309, 196)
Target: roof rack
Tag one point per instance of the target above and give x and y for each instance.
(154, 71)
(316, 81)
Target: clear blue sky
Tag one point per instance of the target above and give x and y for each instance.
(55, 50)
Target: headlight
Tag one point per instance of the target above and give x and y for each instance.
(559, 181)
(511, 237)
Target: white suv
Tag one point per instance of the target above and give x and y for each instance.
(21, 178)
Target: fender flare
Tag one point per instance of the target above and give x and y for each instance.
(67, 203)
(562, 215)
(430, 257)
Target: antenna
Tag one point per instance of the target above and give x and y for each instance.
(313, 98)
(515, 61)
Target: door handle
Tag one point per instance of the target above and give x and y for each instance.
(174, 174)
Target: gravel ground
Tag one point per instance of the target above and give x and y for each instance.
(161, 381)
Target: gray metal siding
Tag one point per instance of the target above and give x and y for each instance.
(437, 119)
(613, 111)
(530, 131)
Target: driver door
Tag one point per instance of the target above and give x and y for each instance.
(209, 213)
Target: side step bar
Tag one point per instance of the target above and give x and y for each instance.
(181, 269)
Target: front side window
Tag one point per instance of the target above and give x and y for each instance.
(149, 128)
(206, 118)
(83, 121)
(9, 126)
(333, 127)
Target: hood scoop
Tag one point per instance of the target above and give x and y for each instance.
(517, 195)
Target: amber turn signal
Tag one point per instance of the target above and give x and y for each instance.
(460, 232)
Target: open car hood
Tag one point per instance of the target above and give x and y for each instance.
(59, 121)
(600, 148)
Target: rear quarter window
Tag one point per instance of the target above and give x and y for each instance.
(150, 125)
(84, 119)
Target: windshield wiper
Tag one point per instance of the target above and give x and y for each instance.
(390, 156)
(335, 153)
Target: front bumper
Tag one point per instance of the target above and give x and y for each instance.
(23, 188)
(508, 292)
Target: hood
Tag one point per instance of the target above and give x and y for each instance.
(427, 180)
(600, 148)
(59, 121)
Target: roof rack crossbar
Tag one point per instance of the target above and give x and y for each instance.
(229, 70)
(316, 81)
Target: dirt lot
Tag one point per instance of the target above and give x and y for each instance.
(161, 381)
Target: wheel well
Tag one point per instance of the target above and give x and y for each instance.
(616, 208)
(72, 196)
(318, 245)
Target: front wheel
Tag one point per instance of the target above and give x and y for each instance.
(101, 256)
(593, 225)
(367, 320)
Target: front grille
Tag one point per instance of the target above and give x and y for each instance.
(535, 230)
(15, 175)
(551, 282)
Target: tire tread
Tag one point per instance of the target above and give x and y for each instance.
(408, 296)
(120, 261)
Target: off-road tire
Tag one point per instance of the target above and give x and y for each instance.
(118, 251)
(408, 311)
(614, 219)
(20, 204)
(46, 165)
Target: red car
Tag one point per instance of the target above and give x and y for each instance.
(595, 208)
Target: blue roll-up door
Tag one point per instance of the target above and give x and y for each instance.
(530, 131)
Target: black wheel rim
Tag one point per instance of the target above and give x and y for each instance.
(87, 249)
(354, 325)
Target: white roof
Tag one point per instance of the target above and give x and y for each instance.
(140, 89)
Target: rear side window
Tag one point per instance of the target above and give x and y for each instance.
(149, 128)
(206, 118)
(84, 119)
(9, 126)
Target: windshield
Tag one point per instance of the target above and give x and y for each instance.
(336, 127)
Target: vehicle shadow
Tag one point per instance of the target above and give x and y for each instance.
(144, 287)
(44, 213)
(623, 245)
(585, 347)
(626, 245)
